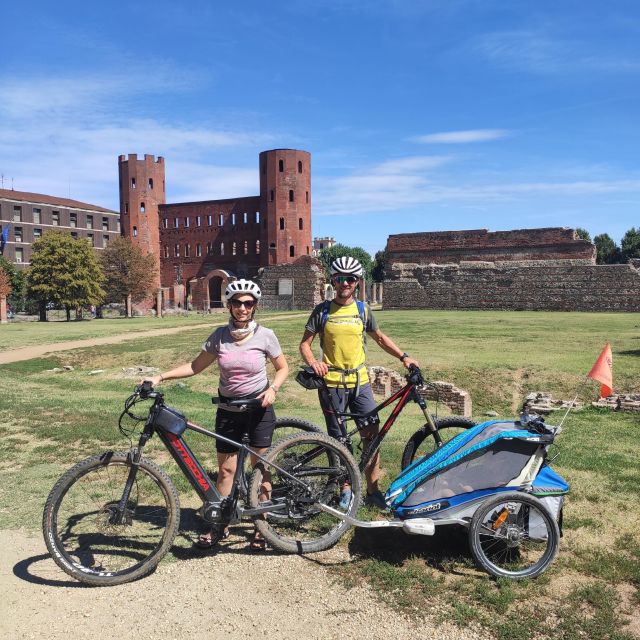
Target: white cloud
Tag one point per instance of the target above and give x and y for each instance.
(462, 137)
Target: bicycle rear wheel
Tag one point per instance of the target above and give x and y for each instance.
(308, 469)
(423, 443)
(91, 540)
(513, 535)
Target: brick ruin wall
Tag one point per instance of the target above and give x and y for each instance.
(562, 285)
(446, 247)
(384, 382)
(307, 275)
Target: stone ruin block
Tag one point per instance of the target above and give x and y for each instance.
(542, 403)
(620, 402)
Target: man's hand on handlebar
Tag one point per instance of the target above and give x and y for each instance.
(409, 362)
(319, 368)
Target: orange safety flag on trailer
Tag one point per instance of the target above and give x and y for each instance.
(602, 371)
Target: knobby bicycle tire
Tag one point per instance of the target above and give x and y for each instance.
(423, 443)
(79, 524)
(326, 467)
(513, 535)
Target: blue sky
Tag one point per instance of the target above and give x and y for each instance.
(419, 114)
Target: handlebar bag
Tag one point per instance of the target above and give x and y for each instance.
(171, 420)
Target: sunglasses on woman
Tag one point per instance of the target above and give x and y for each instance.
(249, 304)
(346, 279)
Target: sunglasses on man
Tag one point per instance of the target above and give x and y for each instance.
(249, 304)
(346, 279)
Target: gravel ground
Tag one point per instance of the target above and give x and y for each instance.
(231, 594)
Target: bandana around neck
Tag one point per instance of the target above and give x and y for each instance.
(239, 334)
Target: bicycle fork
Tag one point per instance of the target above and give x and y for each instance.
(119, 516)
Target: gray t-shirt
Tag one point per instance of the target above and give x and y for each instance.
(243, 367)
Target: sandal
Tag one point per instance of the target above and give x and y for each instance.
(211, 538)
(258, 543)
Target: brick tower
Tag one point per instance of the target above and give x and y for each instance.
(285, 203)
(141, 191)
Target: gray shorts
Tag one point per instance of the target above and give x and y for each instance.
(346, 400)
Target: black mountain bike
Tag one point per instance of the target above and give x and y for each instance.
(431, 436)
(111, 518)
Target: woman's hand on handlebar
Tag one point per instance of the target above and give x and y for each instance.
(268, 397)
(319, 368)
(153, 380)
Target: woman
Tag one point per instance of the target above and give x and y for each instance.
(241, 349)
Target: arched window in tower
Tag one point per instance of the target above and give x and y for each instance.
(133, 183)
(292, 251)
(307, 196)
(166, 250)
(187, 250)
(271, 195)
(246, 247)
(291, 195)
(300, 224)
(281, 165)
(135, 232)
(165, 223)
(198, 250)
(257, 217)
(222, 248)
(272, 245)
(257, 246)
(307, 250)
(142, 209)
(233, 249)
(299, 166)
(150, 183)
(281, 224)
(126, 207)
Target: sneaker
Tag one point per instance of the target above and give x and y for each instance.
(375, 499)
(345, 499)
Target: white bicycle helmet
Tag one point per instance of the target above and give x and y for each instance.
(346, 265)
(242, 286)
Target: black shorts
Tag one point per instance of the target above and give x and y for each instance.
(233, 424)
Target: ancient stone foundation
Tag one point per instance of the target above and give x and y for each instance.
(561, 285)
(299, 285)
(385, 382)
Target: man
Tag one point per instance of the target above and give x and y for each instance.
(342, 325)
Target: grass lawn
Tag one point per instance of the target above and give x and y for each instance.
(49, 421)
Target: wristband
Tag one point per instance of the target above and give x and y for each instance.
(404, 356)
(161, 378)
(273, 386)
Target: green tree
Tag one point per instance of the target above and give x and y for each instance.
(607, 251)
(630, 245)
(583, 234)
(18, 284)
(5, 290)
(379, 266)
(328, 255)
(64, 271)
(129, 272)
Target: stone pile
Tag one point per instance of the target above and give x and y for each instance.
(622, 402)
(543, 403)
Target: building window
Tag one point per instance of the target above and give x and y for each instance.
(271, 195)
(198, 250)
(281, 224)
(91, 239)
(176, 223)
(126, 207)
(220, 219)
(176, 250)
(37, 216)
(142, 209)
(233, 249)
(281, 165)
(257, 217)
(89, 222)
(222, 248)
(105, 224)
(17, 214)
(165, 223)
(150, 183)
(105, 241)
(74, 235)
(166, 251)
(299, 166)
(118, 225)
(233, 218)
(291, 195)
(257, 246)
(246, 247)
(19, 255)
(198, 221)
(307, 196)
(300, 224)
(133, 183)
(17, 234)
(55, 218)
(135, 232)
(209, 248)
(292, 251)
(73, 220)
(272, 245)
(187, 222)
(187, 250)
(37, 233)
(209, 220)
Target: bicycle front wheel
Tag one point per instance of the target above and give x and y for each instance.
(92, 539)
(301, 472)
(423, 441)
(513, 535)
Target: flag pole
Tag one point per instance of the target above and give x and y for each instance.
(573, 402)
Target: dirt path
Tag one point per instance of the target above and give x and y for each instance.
(35, 351)
(232, 594)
